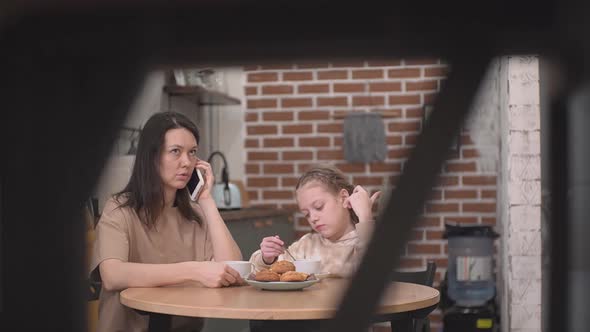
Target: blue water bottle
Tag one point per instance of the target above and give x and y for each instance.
(471, 280)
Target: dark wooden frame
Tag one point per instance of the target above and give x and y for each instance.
(90, 58)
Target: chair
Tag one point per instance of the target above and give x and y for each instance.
(426, 278)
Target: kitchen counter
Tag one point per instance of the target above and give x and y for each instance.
(253, 213)
(250, 225)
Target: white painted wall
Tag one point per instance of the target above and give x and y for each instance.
(117, 170)
(228, 132)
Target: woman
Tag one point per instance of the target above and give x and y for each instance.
(151, 234)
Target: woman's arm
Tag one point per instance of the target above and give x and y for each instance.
(224, 246)
(117, 275)
(111, 254)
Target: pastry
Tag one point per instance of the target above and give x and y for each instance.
(294, 276)
(267, 275)
(281, 267)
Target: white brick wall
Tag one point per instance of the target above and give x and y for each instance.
(526, 291)
(524, 218)
(525, 243)
(525, 167)
(525, 317)
(524, 117)
(524, 192)
(520, 198)
(524, 142)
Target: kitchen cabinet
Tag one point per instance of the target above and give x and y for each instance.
(249, 226)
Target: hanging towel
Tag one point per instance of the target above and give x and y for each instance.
(364, 137)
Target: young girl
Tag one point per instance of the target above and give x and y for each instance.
(151, 234)
(341, 218)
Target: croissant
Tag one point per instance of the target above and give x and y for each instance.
(267, 275)
(281, 267)
(294, 276)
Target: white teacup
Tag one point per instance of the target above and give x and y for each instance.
(243, 267)
(308, 266)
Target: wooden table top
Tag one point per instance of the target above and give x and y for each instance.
(319, 301)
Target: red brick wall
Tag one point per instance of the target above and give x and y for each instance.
(294, 118)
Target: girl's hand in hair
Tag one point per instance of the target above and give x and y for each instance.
(362, 205)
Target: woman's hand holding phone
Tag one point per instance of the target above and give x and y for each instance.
(195, 184)
(207, 175)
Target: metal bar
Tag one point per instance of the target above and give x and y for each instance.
(37, 39)
(1, 236)
(558, 304)
(407, 200)
(577, 246)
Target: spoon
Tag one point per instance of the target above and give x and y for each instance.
(287, 250)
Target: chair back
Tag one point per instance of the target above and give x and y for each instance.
(425, 277)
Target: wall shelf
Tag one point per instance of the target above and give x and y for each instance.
(201, 95)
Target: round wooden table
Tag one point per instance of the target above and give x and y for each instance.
(319, 301)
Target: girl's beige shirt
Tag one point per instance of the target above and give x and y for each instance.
(339, 258)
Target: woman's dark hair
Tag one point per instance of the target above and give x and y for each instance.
(331, 177)
(144, 192)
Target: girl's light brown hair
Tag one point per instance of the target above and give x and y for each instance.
(331, 178)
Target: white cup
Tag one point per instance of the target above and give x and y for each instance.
(243, 267)
(308, 266)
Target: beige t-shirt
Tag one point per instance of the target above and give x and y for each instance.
(121, 235)
(340, 258)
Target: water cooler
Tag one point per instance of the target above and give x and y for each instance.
(468, 291)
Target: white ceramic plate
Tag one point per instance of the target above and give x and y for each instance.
(281, 285)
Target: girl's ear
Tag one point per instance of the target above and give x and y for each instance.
(343, 196)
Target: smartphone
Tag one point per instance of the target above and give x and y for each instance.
(195, 184)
